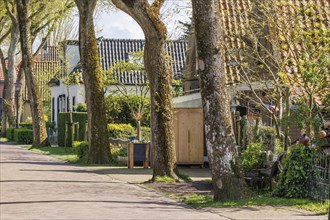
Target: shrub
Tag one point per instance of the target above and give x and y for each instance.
(23, 136)
(25, 125)
(253, 157)
(118, 109)
(80, 117)
(81, 107)
(10, 134)
(294, 178)
(122, 131)
(80, 148)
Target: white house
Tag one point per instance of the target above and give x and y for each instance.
(110, 51)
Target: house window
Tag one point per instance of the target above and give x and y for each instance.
(62, 104)
(73, 102)
(68, 103)
(58, 104)
(53, 109)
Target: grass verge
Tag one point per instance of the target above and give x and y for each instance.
(66, 154)
(61, 153)
(202, 201)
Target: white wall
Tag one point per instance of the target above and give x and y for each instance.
(77, 91)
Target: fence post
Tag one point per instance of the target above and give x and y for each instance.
(130, 155)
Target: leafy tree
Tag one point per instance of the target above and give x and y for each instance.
(136, 97)
(99, 152)
(304, 37)
(160, 77)
(220, 140)
(280, 47)
(34, 16)
(9, 63)
(118, 110)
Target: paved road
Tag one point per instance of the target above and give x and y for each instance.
(36, 187)
(39, 187)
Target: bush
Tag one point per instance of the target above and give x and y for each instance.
(80, 148)
(253, 157)
(10, 134)
(118, 109)
(294, 178)
(25, 125)
(23, 136)
(81, 107)
(122, 131)
(80, 117)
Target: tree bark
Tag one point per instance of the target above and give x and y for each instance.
(4, 115)
(160, 78)
(220, 140)
(40, 137)
(99, 152)
(11, 74)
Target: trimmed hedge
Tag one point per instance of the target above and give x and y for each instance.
(25, 125)
(80, 117)
(10, 134)
(122, 131)
(23, 136)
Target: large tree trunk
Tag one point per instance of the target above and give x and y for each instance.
(220, 140)
(160, 78)
(12, 76)
(4, 115)
(40, 137)
(99, 152)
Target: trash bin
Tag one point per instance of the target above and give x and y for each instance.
(138, 152)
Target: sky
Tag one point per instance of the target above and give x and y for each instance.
(117, 24)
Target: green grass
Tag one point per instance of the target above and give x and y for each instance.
(164, 179)
(61, 153)
(66, 154)
(201, 201)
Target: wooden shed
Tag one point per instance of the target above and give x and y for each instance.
(189, 130)
(189, 135)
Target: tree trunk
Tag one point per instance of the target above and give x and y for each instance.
(220, 140)
(287, 121)
(3, 115)
(10, 87)
(99, 152)
(40, 137)
(138, 130)
(162, 136)
(160, 78)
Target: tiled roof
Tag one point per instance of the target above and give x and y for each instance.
(114, 50)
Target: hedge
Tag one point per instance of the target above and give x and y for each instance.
(25, 125)
(10, 134)
(80, 117)
(23, 136)
(122, 131)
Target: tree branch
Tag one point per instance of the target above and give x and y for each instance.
(11, 13)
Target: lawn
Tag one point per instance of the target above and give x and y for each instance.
(202, 201)
(61, 153)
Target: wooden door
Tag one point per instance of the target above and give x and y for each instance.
(189, 136)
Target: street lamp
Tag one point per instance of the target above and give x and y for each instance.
(18, 85)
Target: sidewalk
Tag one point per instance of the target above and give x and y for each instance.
(37, 187)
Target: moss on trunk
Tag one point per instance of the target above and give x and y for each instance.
(99, 151)
(40, 137)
